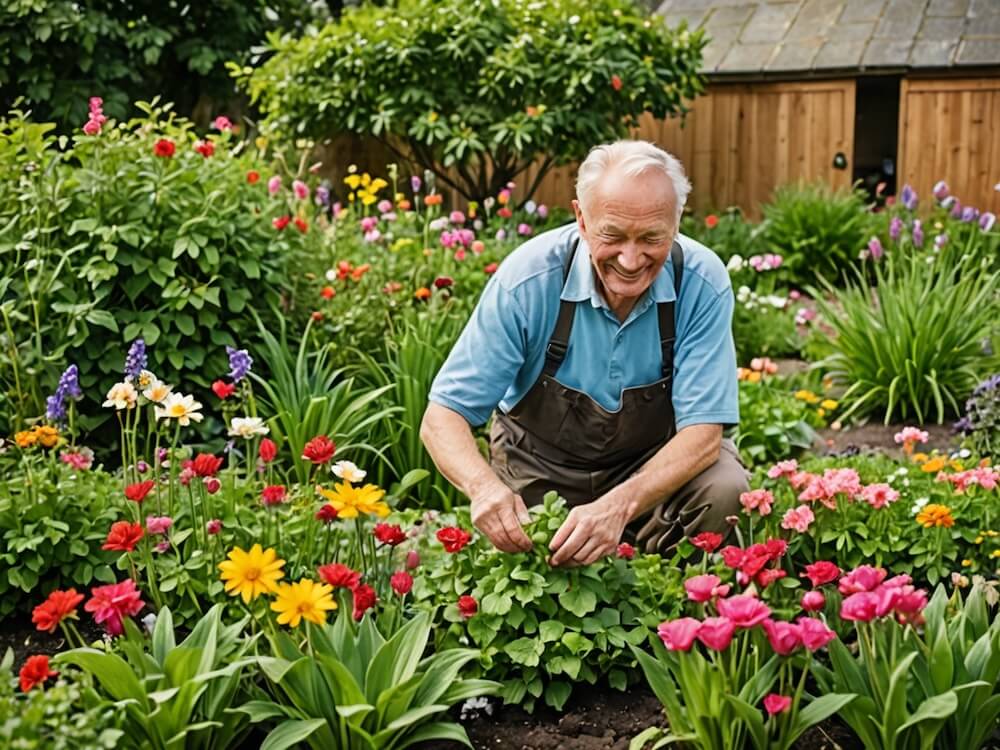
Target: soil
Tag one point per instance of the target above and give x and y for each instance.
(877, 436)
(18, 633)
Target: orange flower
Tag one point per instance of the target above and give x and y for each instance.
(422, 293)
(360, 271)
(55, 609)
(935, 515)
(25, 438)
(404, 205)
(47, 435)
(123, 536)
(711, 221)
(434, 199)
(934, 465)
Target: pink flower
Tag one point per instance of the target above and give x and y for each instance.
(879, 495)
(744, 610)
(843, 482)
(777, 704)
(819, 489)
(822, 572)
(222, 123)
(910, 435)
(798, 519)
(898, 581)
(815, 634)
(707, 541)
(524, 230)
(212, 485)
(213, 527)
(759, 500)
(456, 217)
(300, 189)
(783, 469)
(862, 578)
(678, 635)
(716, 632)
(460, 254)
(625, 551)
(274, 185)
(860, 607)
(813, 601)
(412, 559)
(705, 587)
(800, 479)
(784, 637)
(112, 603)
(911, 601)
(158, 524)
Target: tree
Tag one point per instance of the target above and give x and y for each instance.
(478, 90)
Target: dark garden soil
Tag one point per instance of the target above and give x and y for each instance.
(18, 632)
(877, 436)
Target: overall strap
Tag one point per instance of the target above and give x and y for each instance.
(555, 352)
(665, 312)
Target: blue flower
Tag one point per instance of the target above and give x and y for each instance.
(240, 363)
(135, 360)
(68, 388)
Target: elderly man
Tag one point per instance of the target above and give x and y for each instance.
(606, 348)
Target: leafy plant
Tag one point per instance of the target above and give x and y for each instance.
(981, 422)
(478, 93)
(773, 424)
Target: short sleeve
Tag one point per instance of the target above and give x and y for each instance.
(486, 358)
(705, 385)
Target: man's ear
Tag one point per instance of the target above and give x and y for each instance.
(580, 222)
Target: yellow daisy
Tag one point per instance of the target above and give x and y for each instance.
(252, 573)
(350, 501)
(305, 600)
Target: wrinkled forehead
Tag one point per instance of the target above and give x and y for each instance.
(635, 203)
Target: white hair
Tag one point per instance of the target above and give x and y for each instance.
(632, 158)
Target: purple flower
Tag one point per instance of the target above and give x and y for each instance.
(322, 196)
(68, 388)
(918, 233)
(969, 213)
(875, 248)
(987, 220)
(964, 425)
(940, 241)
(908, 197)
(542, 211)
(501, 235)
(135, 360)
(895, 228)
(940, 190)
(415, 184)
(240, 363)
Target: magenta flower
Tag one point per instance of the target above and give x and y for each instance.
(895, 228)
(744, 610)
(861, 579)
(917, 231)
(678, 635)
(813, 601)
(940, 190)
(456, 217)
(111, 604)
(815, 634)
(860, 607)
(875, 249)
(705, 587)
(716, 632)
(777, 704)
(158, 524)
(222, 123)
(784, 637)
(300, 189)
(274, 185)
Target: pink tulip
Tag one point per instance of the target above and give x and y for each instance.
(822, 572)
(456, 217)
(813, 601)
(815, 634)
(776, 704)
(744, 610)
(860, 607)
(784, 637)
(300, 189)
(678, 635)
(716, 632)
(705, 587)
(862, 578)
(412, 559)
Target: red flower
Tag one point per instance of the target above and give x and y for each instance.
(401, 582)
(327, 292)
(389, 533)
(339, 575)
(707, 541)
(164, 148)
(490, 268)
(253, 176)
(776, 704)
(776, 548)
(453, 538)
(222, 389)
(616, 83)
(205, 148)
(112, 603)
(467, 606)
(505, 212)
(319, 450)
(326, 514)
(768, 576)
(301, 225)
(35, 671)
(123, 536)
(273, 494)
(443, 282)
(137, 492)
(280, 222)
(711, 221)
(364, 599)
(55, 609)
(317, 316)
(204, 465)
(626, 551)
(268, 450)
(822, 572)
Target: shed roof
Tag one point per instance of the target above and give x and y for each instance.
(807, 36)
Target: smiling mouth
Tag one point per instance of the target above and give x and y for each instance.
(627, 276)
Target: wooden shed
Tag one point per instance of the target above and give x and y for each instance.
(894, 91)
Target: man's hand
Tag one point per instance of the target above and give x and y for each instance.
(499, 514)
(590, 532)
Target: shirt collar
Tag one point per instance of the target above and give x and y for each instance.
(580, 284)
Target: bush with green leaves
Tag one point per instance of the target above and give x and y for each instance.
(912, 346)
(764, 326)
(818, 231)
(981, 422)
(479, 92)
(774, 424)
(726, 233)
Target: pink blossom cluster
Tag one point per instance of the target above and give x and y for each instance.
(765, 262)
(763, 364)
(96, 118)
(459, 237)
(910, 436)
(985, 476)
(833, 483)
(868, 595)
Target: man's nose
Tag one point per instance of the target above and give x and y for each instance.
(629, 258)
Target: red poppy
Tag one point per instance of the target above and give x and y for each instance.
(467, 606)
(301, 224)
(164, 148)
(453, 538)
(401, 582)
(55, 609)
(490, 268)
(339, 575)
(123, 536)
(616, 82)
(35, 671)
(204, 465)
(205, 148)
(327, 292)
(280, 222)
(273, 494)
(708, 541)
(505, 212)
(326, 514)
(222, 389)
(253, 176)
(389, 533)
(137, 492)
(711, 221)
(319, 450)
(364, 599)
(268, 450)
(443, 282)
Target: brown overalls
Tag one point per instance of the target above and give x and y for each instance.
(559, 438)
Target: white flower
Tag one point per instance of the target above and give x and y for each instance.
(179, 407)
(156, 391)
(735, 263)
(146, 378)
(247, 427)
(964, 453)
(122, 396)
(331, 275)
(348, 471)
(918, 504)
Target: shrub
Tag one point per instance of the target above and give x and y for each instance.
(774, 424)
(486, 88)
(981, 423)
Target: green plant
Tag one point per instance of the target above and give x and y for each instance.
(479, 92)
(912, 346)
(773, 423)
(981, 423)
(171, 694)
(353, 689)
(818, 230)
(763, 328)
(726, 233)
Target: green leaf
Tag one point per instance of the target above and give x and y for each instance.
(525, 651)
(290, 733)
(579, 601)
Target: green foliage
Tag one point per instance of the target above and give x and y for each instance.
(57, 53)
(486, 88)
(726, 233)
(912, 346)
(57, 717)
(356, 690)
(763, 329)
(171, 694)
(981, 422)
(774, 424)
(817, 230)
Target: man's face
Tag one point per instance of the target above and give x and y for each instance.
(629, 225)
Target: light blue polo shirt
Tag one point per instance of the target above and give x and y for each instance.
(501, 351)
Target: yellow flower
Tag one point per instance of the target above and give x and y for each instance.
(25, 438)
(305, 600)
(146, 379)
(956, 466)
(935, 464)
(966, 563)
(935, 515)
(252, 573)
(920, 457)
(350, 501)
(157, 392)
(821, 412)
(979, 540)
(46, 435)
(182, 408)
(829, 404)
(377, 184)
(353, 181)
(995, 553)
(808, 396)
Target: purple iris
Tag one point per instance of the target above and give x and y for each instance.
(895, 228)
(240, 363)
(969, 213)
(322, 196)
(940, 190)
(875, 248)
(918, 233)
(415, 184)
(908, 197)
(135, 360)
(68, 388)
(987, 220)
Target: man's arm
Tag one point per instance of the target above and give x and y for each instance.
(496, 511)
(593, 530)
